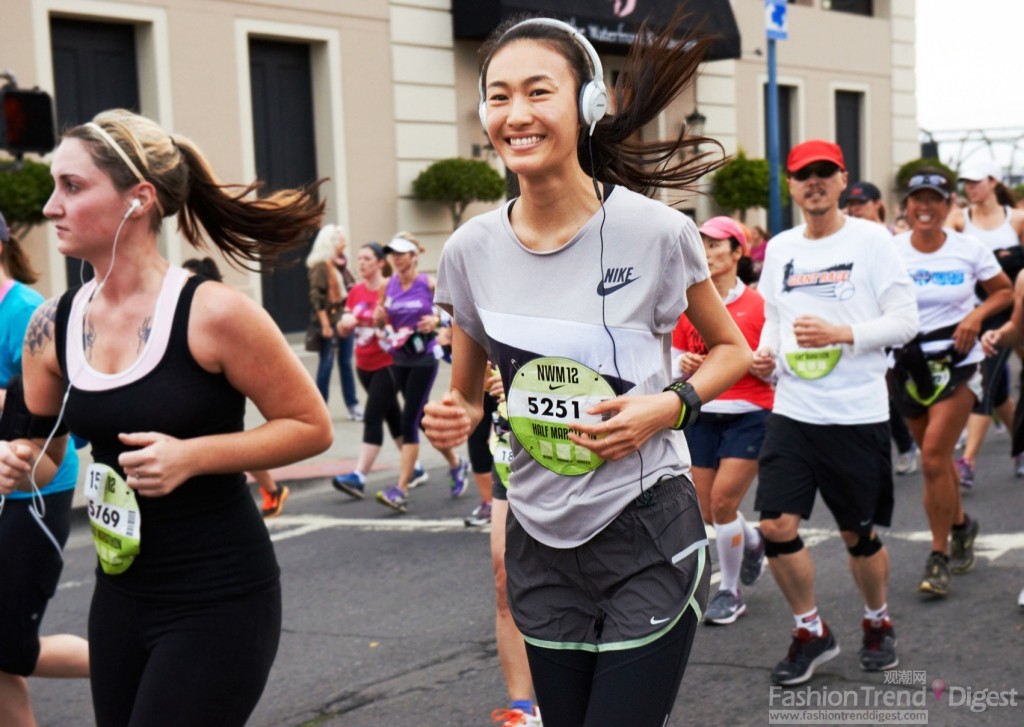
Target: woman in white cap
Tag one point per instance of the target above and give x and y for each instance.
(931, 378)
(992, 218)
(726, 441)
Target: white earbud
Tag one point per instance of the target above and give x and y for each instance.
(135, 205)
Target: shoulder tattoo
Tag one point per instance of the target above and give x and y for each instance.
(41, 327)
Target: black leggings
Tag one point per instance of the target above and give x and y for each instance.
(155, 663)
(480, 457)
(414, 383)
(381, 405)
(635, 687)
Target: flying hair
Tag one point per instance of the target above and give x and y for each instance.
(658, 67)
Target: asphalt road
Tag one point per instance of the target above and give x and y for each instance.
(388, 620)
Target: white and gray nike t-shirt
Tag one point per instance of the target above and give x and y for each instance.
(610, 306)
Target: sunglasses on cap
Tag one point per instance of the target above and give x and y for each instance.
(929, 180)
(821, 170)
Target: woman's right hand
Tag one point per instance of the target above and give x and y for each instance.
(763, 364)
(326, 332)
(15, 465)
(446, 423)
(990, 341)
(347, 324)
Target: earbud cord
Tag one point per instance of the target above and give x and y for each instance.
(38, 504)
(604, 298)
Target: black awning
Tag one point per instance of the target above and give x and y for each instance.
(608, 24)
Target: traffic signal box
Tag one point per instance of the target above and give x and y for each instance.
(27, 123)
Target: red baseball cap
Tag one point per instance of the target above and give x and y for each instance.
(722, 227)
(812, 151)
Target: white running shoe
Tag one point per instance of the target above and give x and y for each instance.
(906, 462)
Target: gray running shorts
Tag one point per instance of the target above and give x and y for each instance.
(625, 587)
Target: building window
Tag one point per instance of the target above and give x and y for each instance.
(849, 120)
(857, 7)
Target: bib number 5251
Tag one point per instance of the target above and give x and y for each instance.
(558, 408)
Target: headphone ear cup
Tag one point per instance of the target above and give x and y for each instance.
(482, 110)
(593, 102)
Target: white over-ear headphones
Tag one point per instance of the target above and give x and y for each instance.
(593, 101)
(135, 205)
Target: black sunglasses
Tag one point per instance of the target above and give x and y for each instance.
(930, 180)
(822, 170)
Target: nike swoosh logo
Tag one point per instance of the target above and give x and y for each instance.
(866, 523)
(552, 387)
(603, 289)
(656, 621)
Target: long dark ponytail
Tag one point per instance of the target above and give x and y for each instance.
(248, 229)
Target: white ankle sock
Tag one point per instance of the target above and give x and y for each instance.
(810, 621)
(880, 614)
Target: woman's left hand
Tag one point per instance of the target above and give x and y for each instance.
(158, 467)
(427, 324)
(634, 420)
(966, 334)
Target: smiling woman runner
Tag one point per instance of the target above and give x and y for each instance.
(153, 367)
(573, 290)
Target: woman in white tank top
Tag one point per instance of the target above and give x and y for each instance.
(992, 218)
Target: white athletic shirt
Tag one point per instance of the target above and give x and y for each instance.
(995, 239)
(851, 277)
(520, 305)
(944, 282)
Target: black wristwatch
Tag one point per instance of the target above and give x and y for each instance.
(691, 403)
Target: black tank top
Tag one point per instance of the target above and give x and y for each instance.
(206, 539)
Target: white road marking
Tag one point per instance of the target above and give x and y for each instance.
(293, 526)
(991, 546)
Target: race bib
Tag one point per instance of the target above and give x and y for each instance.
(940, 377)
(115, 518)
(812, 363)
(501, 451)
(548, 395)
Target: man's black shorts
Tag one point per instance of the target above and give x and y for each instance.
(850, 464)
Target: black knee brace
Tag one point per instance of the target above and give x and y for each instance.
(772, 549)
(865, 547)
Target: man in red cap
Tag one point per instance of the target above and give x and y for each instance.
(836, 295)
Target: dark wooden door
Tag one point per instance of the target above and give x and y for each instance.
(94, 69)
(282, 112)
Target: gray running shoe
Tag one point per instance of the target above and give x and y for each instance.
(879, 650)
(725, 608)
(936, 575)
(806, 653)
(961, 547)
(753, 562)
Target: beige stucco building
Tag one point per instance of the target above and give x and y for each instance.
(370, 92)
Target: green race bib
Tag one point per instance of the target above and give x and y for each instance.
(115, 518)
(810, 363)
(548, 395)
(501, 451)
(940, 376)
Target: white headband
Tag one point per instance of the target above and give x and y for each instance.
(109, 140)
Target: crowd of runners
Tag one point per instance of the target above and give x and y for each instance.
(607, 419)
